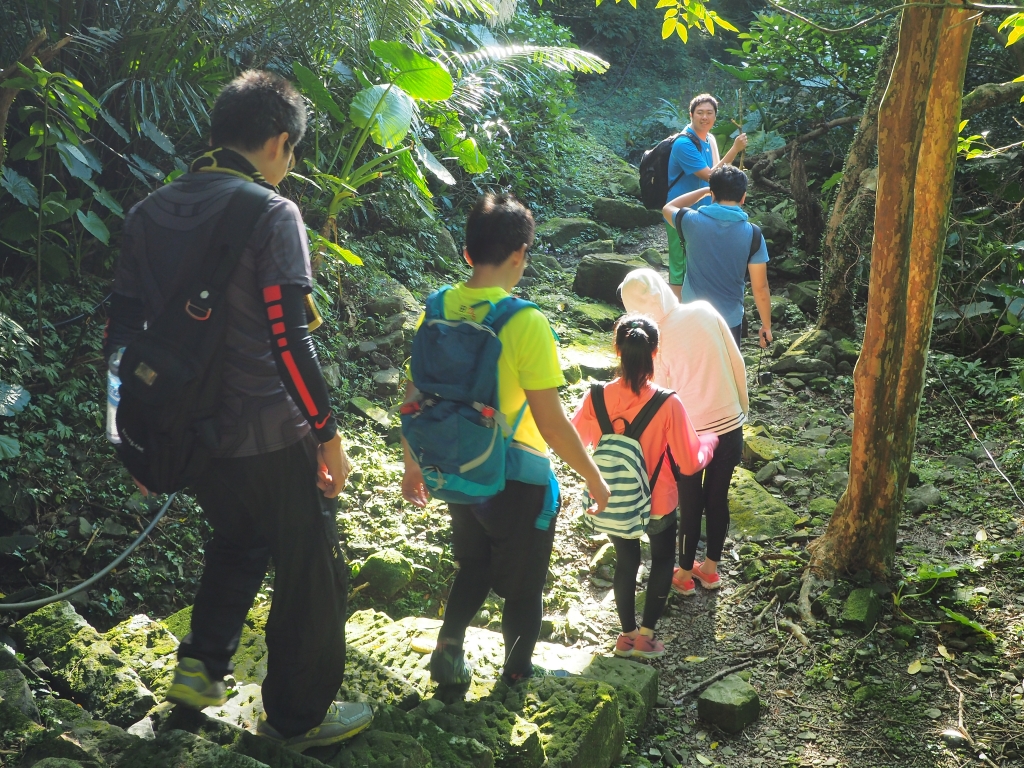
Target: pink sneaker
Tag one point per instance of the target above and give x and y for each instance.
(683, 587)
(707, 580)
(647, 647)
(624, 645)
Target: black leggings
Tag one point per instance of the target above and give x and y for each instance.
(707, 493)
(627, 564)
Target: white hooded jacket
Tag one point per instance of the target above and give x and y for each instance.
(697, 355)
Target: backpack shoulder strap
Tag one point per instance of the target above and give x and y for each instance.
(647, 413)
(435, 304)
(694, 140)
(503, 312)
(232, 233)
(755, 240)
(600, 409)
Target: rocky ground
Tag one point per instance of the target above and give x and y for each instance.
(923, 671)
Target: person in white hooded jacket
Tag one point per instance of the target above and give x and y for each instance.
(698, 358)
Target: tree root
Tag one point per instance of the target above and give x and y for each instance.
(795, 631)
(960, 720)
(760, 617)
(803, 604)
(717, 676)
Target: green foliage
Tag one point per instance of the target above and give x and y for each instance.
(683, 15)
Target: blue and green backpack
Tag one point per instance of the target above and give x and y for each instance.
(455, 429)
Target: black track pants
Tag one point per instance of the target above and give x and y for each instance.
(261, 508)
(707, 493)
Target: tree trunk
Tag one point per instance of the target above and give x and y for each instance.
(808, 209)
(854, 206)
(917, 128)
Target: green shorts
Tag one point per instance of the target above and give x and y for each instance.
(676, 257)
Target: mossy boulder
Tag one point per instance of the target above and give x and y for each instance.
(579, 719)
(593, 355)
(805, 296)
(444, 748)
(179, 623)
(862, 608)
(84, 663)
(758, 449)
(753, 511)
(599, 275)
(559, 232)
(149, 648)
(821, 506)
(595, 246)
(374, 414)
(15, 693)
(846, 350)
(802, 457)
(809, 343)
(387, 572)
(599, 315)
(654, 257)
(382, 749)
(628, 676)
(797, 365)
(775, 230)
(730, 703)
(623, 214)
(624, 180)
(513, 741)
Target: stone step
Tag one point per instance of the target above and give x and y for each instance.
(576, 722)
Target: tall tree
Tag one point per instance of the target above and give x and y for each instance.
(917, 131)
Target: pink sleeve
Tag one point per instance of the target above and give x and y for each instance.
(690, 452)
(585, 421)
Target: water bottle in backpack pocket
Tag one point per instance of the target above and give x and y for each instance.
(454, 426)
(621, 461)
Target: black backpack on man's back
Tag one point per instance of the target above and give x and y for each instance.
(654, 183)
(171, 372)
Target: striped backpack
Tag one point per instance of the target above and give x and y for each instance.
(621, 461)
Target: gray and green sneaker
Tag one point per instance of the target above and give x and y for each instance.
(535, 672)
(448, 666)
(343, 721)
(193, 687)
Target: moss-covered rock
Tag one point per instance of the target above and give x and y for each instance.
(179, 624)
(382, 749)
(15, 693)
(387, 572)
(374, 414)
(93, 743)
(821, 507)
(58, 762)
(802, 457)
(730, 703)
(149, 647)
(558, 232)
(444, 748)
(599, 275)
(753, 511)
(623, 214)
(514, 742)
(599, 315)
(862, 608)
(595, 246)
(593, 355)
(84, 663)
(654, 257)
(805, 296)
(579, 719)
(181, 749)
(758, 449)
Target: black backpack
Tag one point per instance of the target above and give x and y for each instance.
(654, 184)
(171, 372)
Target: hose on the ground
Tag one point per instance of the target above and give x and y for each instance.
(31, 605)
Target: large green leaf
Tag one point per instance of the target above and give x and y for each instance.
(387, 109)
(412, 172)
(9, 447)
(470, 156)
(13, 398)
(157, 136)
(95, 226)
(418, 75)
(21, 188)
(432, 164)
(317, 91)
(968, 622)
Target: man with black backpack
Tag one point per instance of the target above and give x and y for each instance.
(683, 163)
(271, 463)
(722, 247)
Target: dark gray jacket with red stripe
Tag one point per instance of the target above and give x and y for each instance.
(273, 390)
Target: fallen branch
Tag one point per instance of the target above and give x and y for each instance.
(717, 676)
(960, 719)
(767, 158)
(803, 604)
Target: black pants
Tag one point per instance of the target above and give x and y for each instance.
(737, 333)
(707, 493)
(264, 507)
(498, 547)
(659, 581)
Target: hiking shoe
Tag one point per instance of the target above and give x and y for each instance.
(681, 585)
(646, 647)
(536, 671)
(707, 580)
(193, 687)
(448, 666)
(623, 646)
(343, 721)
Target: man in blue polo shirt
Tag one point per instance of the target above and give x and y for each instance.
(719, 241)
(694, 156)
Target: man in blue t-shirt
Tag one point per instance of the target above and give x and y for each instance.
(718, 241)
(689, 169)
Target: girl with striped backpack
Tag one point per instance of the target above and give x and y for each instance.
(642, 437)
